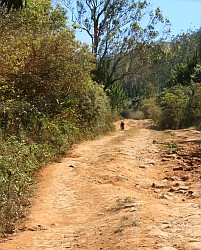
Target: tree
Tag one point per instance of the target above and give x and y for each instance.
(183, 59)
(120, 31)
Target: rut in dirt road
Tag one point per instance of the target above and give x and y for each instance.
(109, 193)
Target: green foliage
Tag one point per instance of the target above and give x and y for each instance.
(183, 57)
(194, 105)
(176, 107)
(22, 31)
(173, 104)
(172, 62)
(178, 78)
(47, 99)
(15, 4)
(172, 147)
(196, 74)
(151, 110)
(16, 164)
(183, 73)
(118, 97)
(100, 113)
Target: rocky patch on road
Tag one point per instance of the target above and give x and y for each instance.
(181, 162)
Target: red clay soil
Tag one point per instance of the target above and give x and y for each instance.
(132, 189)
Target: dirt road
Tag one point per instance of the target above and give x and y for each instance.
(116, 192)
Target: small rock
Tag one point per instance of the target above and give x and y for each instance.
(185, 178)
(122, 177)
(189, 169)
(183, 188)
(71, 166)
(133, 209)
(166, 225)
(100, 214)
(168, 178)
(175, 178)
(165, 196)
(155, 231)
(178, 169)
(172, 189)
(193, 246)
(158, 184)
(195, 193)
(144, 166)
(150, 162)
(134, 205)
(68, 245)
(170, 156)
(168, 248)
(181, 191)
(179, 183)
(42, 227)
(164, 159)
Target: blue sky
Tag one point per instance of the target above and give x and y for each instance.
(183, 15)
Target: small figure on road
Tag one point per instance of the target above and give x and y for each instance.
(122, 125)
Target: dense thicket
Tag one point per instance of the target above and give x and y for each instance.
(47, 99)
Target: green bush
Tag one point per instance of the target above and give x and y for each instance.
(172, 108)
(17, 164)
(93, 109)
(194, 105)
(151, 110)
(173, 104)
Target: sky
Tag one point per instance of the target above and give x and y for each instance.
(183, 15)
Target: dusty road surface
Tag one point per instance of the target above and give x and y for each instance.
(131, 189)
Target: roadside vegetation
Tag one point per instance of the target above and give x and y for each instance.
(55, 91)
(48, 100)
(177, 101)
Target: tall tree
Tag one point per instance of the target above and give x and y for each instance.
(120, 31)
(183, 60)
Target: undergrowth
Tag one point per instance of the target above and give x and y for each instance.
(23, 154)
(20, 158)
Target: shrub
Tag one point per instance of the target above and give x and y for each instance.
(194, 105)
(173, 104)
(16, 165)
(93, 109)
(151, 110)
